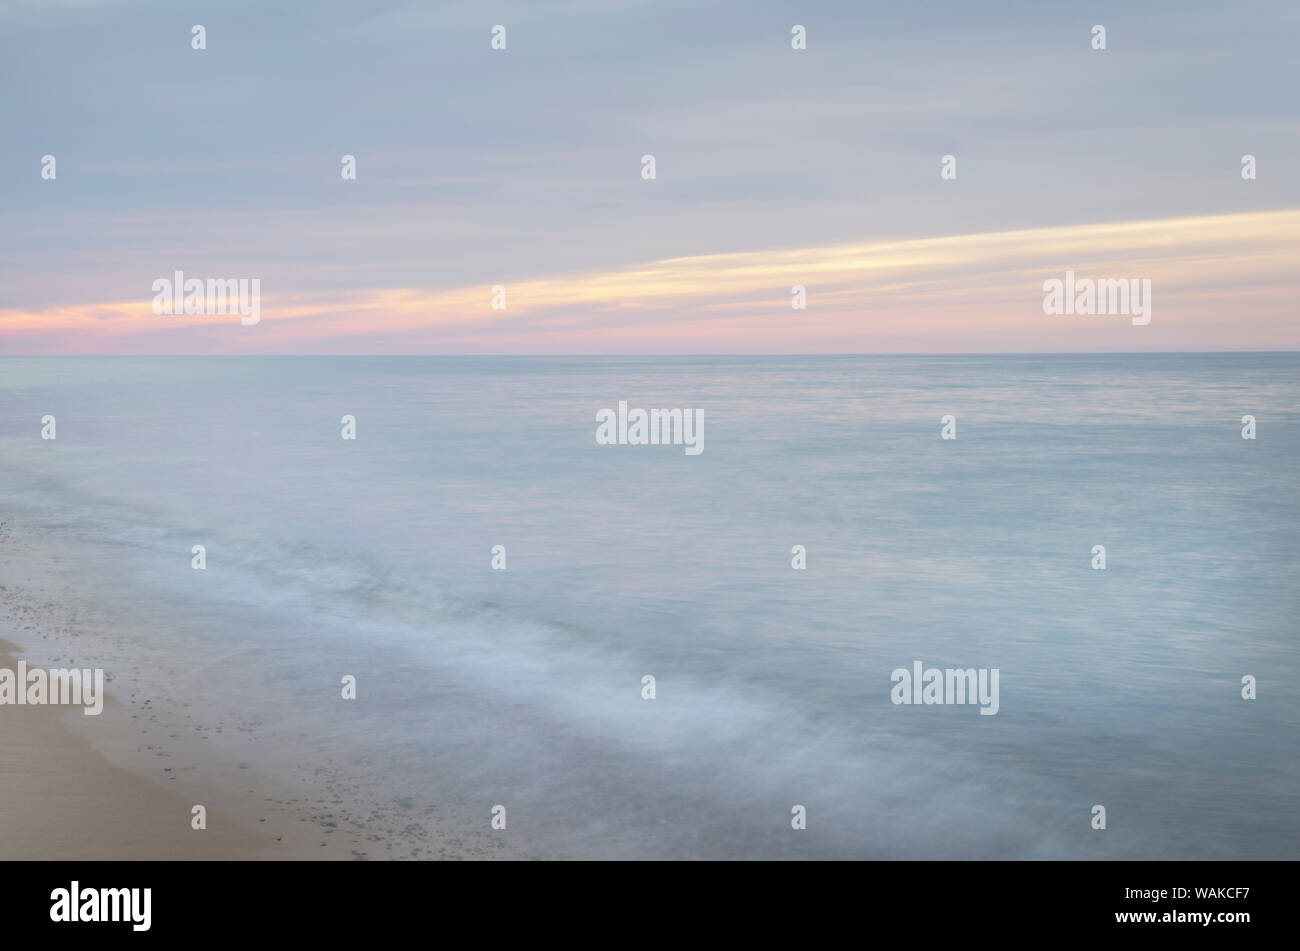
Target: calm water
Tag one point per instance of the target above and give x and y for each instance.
(523, 687)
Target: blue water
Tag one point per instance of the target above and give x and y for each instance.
(523, 687)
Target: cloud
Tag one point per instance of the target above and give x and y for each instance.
(1219, 281)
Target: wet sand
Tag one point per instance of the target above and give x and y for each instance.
(60, 799)
(121, 785)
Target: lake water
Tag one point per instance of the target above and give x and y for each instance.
(372, 558)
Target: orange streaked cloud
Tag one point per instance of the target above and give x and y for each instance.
(1219, 282)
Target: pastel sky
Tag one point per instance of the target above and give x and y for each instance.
(522, 168)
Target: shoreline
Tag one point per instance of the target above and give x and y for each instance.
(121, 785)
(62, 799)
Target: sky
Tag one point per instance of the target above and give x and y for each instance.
(522, 168)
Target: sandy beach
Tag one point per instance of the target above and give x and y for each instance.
(60, 799)
(121, 785)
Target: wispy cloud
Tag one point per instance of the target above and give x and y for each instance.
(1219, 281)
